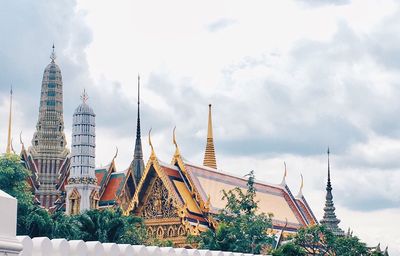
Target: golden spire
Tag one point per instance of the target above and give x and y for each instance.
(209, 156)
(8, 149)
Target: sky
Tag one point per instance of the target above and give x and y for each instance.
(286, 80)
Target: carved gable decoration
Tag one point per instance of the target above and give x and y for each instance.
(159, 204)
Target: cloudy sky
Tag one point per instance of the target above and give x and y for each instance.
(286, 79)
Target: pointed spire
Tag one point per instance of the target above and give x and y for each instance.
(283, 183)
(9, 146)
(84, 96)
(137, 163)
(209, 156)
(329, 219)
(138, 143)
(53, 54)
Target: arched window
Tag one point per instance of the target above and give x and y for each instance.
(74, 202)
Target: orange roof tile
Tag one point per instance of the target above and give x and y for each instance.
(113, 188)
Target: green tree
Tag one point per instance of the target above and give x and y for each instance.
(110, 226)
(31, 219)
(289, 249)
(318, 240)
(315, 240)
(240, 227)
(349, 246)
(65, 226)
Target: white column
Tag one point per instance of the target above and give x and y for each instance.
(9, 245)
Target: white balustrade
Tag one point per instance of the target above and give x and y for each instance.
(9, 245)
(139, 250)
(95, 248)
(111, 249)
(78, 248)
(27, 245)
(42, 246)
(12, 245)
(205, 253)
(181, 252)
(167, 251)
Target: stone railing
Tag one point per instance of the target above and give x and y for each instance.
(12, 245)
(42, 246)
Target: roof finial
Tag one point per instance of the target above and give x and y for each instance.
(209, 156)
(174, 137)
(116, 153)
(284, 175)
(53, 54)
(84, 96)
(8, 149)
(300, 194)
(20, 140)
(151, 144)
(329, 168)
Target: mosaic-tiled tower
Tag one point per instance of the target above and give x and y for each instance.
(82, 190)
(48, 149)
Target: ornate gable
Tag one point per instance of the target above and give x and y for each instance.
(159, 203)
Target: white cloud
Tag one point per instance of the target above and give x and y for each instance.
(286, 80)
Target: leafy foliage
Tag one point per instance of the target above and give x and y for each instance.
(108, 226)
(240, 227)
(31, 219)
(289, 249)
(318, 240)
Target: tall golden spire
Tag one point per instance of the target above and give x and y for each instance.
(8, 149)
(209, 156)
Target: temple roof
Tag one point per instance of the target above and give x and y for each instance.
(275, 199)
(112, 189)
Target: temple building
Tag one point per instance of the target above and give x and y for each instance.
(180, 198)
(82, 191)
(176, 199)
(47, 158)
(330, 220)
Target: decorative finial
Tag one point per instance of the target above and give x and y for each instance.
(300, 194)
(20, 140)
(174, 137)
(151, 144)
(302, 182)
(9, 146)
(116, 153)
(329, 168)
(84, 96)
(284, 175)
(53, 54)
